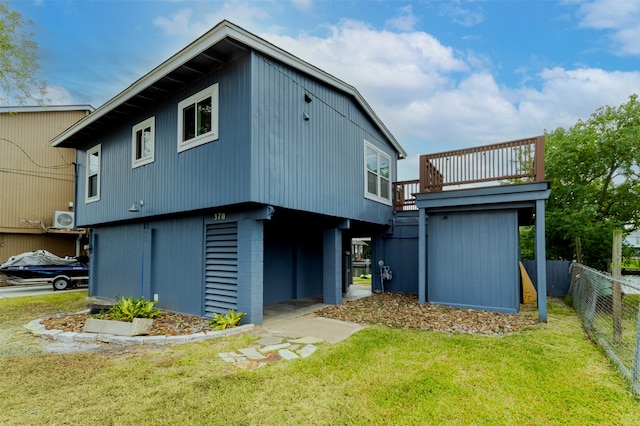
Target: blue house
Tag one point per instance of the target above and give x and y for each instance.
(233, 175)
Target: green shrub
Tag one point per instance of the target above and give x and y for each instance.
(223, 321)
(130, 308)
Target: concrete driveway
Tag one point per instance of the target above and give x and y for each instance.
(31, 290)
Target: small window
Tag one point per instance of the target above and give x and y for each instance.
(143, 142)
(93, 173)
(377, 179)
(198, 119)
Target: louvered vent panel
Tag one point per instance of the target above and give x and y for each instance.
(221, 268)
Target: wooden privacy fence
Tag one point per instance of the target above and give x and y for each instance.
(558, 278)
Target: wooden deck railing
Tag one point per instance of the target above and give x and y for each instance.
(512, 162)
(403, 191)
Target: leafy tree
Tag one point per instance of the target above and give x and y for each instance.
(593, 167)
(18, 60)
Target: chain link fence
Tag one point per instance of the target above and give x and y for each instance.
(609, 311)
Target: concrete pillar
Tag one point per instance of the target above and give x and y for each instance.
(541, 261)
(251, 270)
(332, 266)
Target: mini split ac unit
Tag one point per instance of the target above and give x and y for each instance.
(63, 220)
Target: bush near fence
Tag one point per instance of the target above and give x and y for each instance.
(615, 327)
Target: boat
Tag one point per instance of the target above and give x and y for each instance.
(41, 265)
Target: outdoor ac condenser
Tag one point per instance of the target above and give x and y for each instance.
(63, 220)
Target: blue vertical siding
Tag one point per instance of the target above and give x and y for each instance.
(400, 253)
(213, 174)
(315, 165)
(293, 256)
(266, 153)
(473, 260)
(558, 279)
(175, 264)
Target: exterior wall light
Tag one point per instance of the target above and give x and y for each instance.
(135, 207)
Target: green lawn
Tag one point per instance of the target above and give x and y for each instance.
(549, 374)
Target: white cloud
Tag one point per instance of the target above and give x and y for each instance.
(619, 17)
(405, 21)
(192, 23)
(303, 5)
(57, 95)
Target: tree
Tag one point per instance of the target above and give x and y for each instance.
(18, 60)
(593, 167)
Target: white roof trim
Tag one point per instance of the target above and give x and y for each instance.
(226, 29)
(46, 108)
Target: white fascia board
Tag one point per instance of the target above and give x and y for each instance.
(226, 29)
(46, 108)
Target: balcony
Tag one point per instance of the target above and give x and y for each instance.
(519, 161)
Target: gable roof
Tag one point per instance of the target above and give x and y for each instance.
(211, 51)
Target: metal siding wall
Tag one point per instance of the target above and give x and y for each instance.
(279, 265)
(117, 262)
(473, 260)
(177, 264)
(315, 165)
(213, 174)
(36, 179)
(12, 244)
(293, 252)
(309, 269)
(401, 254)
(120, 261)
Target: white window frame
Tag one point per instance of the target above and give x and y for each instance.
(212, 134)
(379, 179)
(140, 127)
(95, 150)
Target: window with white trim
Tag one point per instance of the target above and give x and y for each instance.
(143, 142)
(198, 119)
(377, 174)
(93, 173)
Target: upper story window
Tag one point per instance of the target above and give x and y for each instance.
(143, 142)
(93, 173)
(198, 119)
(377, 179)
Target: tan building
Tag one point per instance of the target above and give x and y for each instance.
(37, 181)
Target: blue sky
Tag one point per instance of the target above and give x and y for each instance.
(440, 74)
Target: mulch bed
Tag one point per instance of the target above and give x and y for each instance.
(401, 310)
(395, 310)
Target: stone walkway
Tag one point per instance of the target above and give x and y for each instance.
(269, 349)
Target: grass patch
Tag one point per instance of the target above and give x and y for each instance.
(547, 374)
(366, 280)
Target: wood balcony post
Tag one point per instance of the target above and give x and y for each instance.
(539, 160)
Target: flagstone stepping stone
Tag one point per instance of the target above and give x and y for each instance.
(307, 350)
(269, 340)
(251, 353)
(272, 348)
(287, 354)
